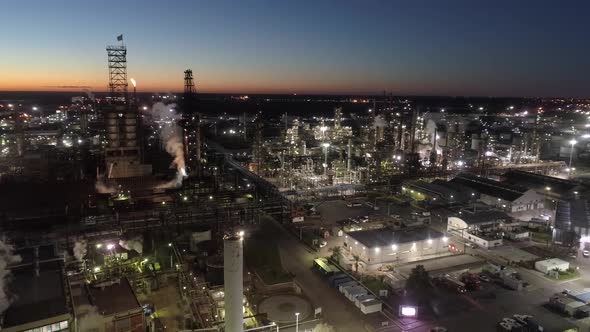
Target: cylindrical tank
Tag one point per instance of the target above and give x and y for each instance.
(233, 257)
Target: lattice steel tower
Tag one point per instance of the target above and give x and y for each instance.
(191, 124)
(117, 55)
(189, 84)
(123, 150)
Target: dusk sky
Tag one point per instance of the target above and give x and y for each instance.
(483, 48)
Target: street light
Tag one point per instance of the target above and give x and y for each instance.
(572, 142)
(296, 322)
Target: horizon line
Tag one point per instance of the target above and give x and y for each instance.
(305, 94)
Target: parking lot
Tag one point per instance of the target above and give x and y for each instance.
(479, 310)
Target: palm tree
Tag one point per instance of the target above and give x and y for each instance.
(336, 251)
(357, 259)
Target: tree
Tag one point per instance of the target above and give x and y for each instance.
(419, 282)
(336, 251)
(323, 327)
(357, 259)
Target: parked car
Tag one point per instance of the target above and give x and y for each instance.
(586, 253)
(354, 204)
(484, 278)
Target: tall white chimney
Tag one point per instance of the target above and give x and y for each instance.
(233, 264)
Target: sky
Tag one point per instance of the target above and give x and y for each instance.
(532, 48)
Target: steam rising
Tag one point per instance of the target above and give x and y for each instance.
(92, 320)
(171, 136)
(379, 122)
(135, 243)
(80, 250)
(104, 188)
(133, 82)
(90, 94)
(6, 258)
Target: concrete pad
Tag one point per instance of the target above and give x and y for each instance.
(442, 265)
(513, 254)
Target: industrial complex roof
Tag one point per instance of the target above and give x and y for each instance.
(539, 181)
(385, 237)
(482, 217)
(36, 297)
(114, 298)
(433, 187)
(489, 187)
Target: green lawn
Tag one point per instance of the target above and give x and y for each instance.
(373, 283)
(262, 254)
(541, 237)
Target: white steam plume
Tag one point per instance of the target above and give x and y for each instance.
(103, 188)
(90, 94)
(135, 243)
(92, 320)
(6, 258)
(171, 136)
(379, 122)
(80, 250)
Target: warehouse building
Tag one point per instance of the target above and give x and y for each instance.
(41, 295)
(553, 187)
(503, 196)
(384, 246)
(483, 228)
(437, 192)
(108, 305)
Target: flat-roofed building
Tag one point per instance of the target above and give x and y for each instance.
(42, 300)
(482, 228)
(503, 196)
(108, 305)
(385, 246)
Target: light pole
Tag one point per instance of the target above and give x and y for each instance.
(296, 322)
(326, 146)
(572, 142)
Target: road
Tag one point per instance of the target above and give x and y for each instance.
(296, 258)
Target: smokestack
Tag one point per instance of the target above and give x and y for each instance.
(233, 261)
(349, 152)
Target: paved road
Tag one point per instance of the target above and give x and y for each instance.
(337, 310)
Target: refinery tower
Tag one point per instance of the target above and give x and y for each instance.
(122, 122)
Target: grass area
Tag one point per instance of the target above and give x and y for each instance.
(373, 283)
(541, 237)
(262, 254)
(568, 274)
(565, 275)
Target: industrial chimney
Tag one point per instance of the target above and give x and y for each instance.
(233, 262)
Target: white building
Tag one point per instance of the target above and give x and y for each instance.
(482, 228)
(384, 246)
(551, 264)
(503, 196)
